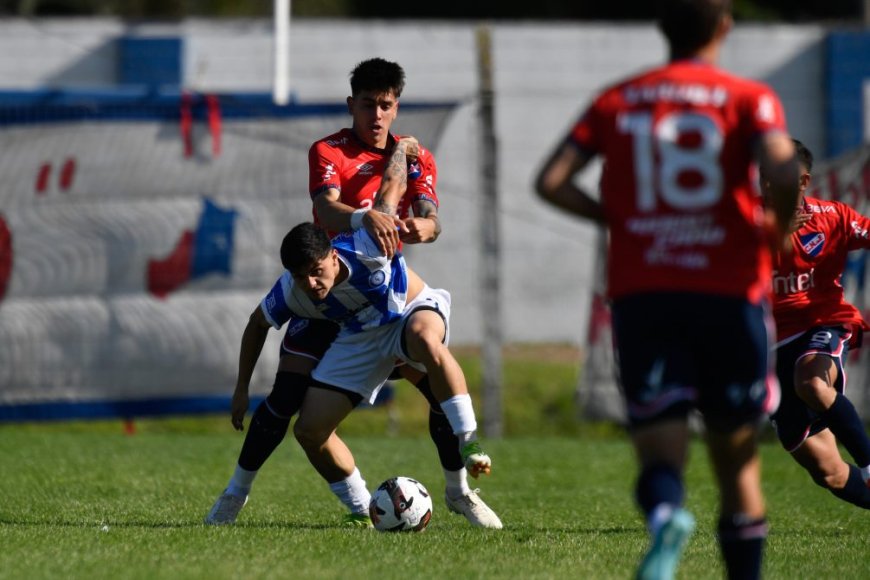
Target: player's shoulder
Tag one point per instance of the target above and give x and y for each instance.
(827, 213)
(336, 140)
(693, 72)
(816, 205)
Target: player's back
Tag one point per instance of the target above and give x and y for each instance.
(678, 184)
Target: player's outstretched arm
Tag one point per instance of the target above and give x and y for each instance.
(555, 184)
(776, 159)
(253, 339)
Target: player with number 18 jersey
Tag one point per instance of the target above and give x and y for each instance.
(681, 201)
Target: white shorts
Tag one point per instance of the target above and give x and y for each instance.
(361, 362)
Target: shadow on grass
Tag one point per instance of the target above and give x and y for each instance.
(522, 533)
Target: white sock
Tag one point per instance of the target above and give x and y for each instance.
(352, 492)
(457, 483)
(241, 482)
(460, 415)
(659, 517)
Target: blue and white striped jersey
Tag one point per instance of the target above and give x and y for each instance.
(374, 293)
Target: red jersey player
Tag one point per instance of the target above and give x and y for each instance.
(816, 327)
(344, 169)
(351, 173)
(689, 266)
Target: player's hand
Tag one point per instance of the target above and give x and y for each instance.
(778, 238)
(799, 219)
(410, 146)
(384, 229)
(239, 408)
(418, 230)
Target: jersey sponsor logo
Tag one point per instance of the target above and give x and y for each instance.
(336, 142)
(815, 208)
(364, 169)
(794, 282)
(813, 243)
(377, 278)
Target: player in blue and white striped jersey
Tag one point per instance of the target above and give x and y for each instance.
(374, 293)
(385, 312)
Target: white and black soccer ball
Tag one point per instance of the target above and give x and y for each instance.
(401, 504)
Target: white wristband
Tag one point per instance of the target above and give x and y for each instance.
(356, 218)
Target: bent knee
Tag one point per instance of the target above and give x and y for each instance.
(831, 478)
(812, 391)
(309, 436)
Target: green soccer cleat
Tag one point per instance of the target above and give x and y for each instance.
(475, 460)
(660, 562)
(361, 521)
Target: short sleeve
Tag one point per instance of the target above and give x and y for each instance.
(322, 169)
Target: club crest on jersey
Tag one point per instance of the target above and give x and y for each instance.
(377, 278)
(414, 170)
(813, 243)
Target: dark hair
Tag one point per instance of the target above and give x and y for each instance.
(377, 74)
(804, 155)
(304, 245)
(690, 24)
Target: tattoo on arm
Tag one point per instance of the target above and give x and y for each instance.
(386, 208)
(396, 174)
(427, 209)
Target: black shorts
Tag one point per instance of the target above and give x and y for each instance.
(679, 351)
(308, 337)
(794, 421)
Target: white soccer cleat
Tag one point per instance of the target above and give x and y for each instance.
(225, 510)
(474, 509)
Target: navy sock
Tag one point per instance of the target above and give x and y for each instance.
(658, 483)
(440, 430)
(265, 433)
(742, 542)
(846, 425)
(855, 491)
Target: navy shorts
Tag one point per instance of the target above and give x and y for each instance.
(308, 337)
(679, 351)
(794, 421)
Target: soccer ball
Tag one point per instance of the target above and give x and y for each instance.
(401, 504)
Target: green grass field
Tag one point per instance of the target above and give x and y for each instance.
(109, 505)
(85, 500)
